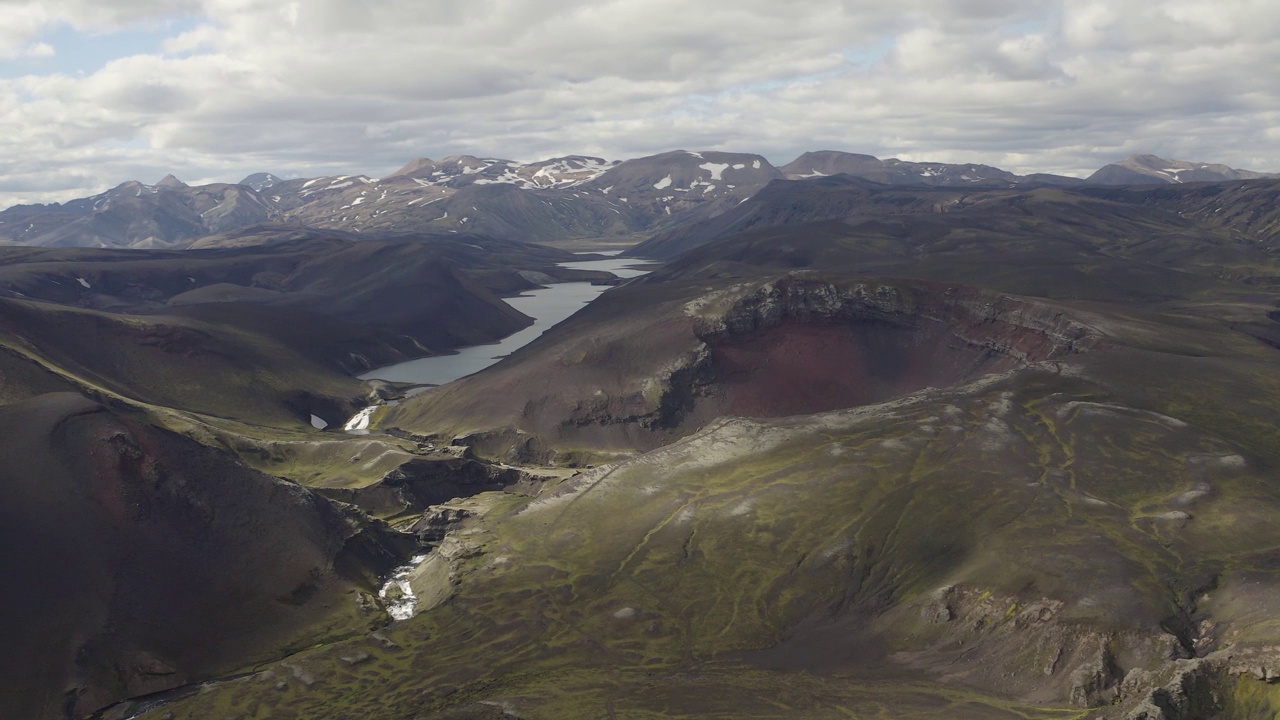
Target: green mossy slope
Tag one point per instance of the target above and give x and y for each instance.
(922, 557)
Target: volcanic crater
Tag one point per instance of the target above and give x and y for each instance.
(800, 345)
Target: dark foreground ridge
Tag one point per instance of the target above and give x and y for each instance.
(148, 560)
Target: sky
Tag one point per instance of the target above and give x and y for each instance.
(97, 92)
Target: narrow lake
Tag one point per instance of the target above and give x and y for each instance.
(547, 307)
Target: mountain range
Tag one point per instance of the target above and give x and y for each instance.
(546, 201)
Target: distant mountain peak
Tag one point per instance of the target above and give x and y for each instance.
(260, 181)
(171, 182)
(830, 155)
(1145, 158)
(1145, 168)
(413, 167)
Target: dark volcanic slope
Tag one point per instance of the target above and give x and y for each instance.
(206, 366)
(1249, 208)
(137, 560)
(437, 291)
(1227, 228)
(1048, 242)
(268, 333)
(792, 203)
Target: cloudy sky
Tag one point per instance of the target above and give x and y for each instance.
(95, 92)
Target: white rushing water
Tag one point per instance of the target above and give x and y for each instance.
(397, 593)
(360, 421)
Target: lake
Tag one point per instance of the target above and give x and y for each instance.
(547, 307)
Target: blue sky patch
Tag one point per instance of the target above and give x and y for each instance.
(79, 52)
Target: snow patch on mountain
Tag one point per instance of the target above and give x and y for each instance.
(716, 169)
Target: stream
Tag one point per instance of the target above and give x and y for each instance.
(547, 306)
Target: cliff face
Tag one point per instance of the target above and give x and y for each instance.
(1027, 330)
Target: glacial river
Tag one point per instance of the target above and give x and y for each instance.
(547, 307)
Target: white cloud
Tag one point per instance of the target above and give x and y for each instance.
(328, 85)
(39, 50)
(24, 20)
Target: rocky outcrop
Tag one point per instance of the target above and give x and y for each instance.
(1096, 681)
(1026, 646)
(1189, 695)
(1259, 662)
(436, 522)
(421, 483)
(1197, 688)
